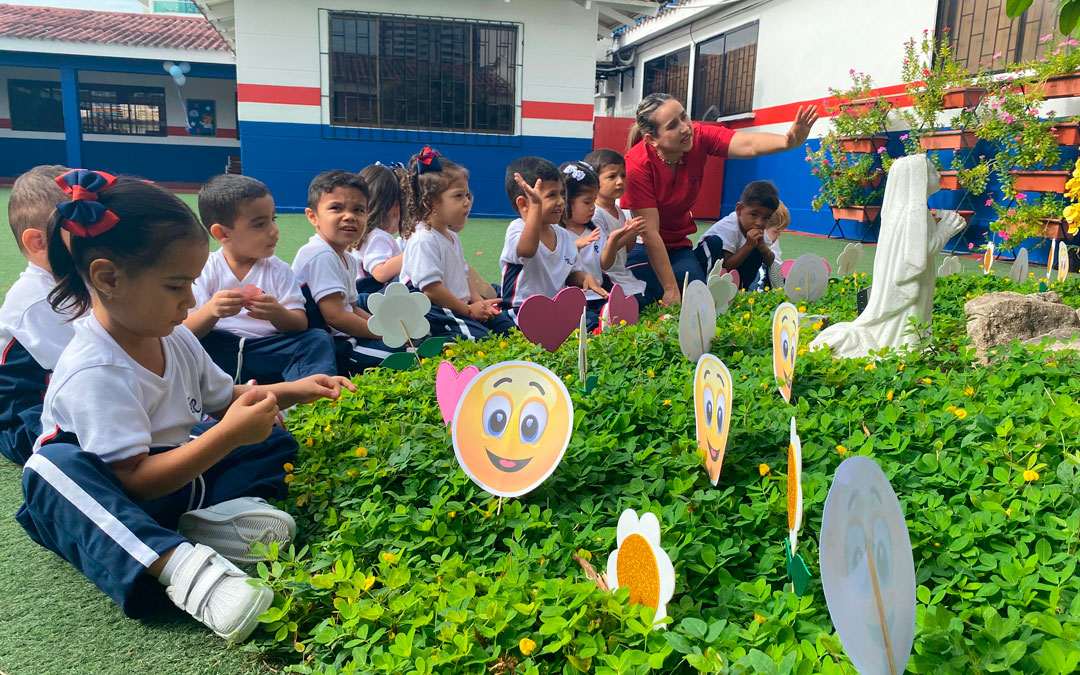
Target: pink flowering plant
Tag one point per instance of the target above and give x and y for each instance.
(858, 113)
(931, 70)
(1023, 220)
(1060, 57)
(846, 179)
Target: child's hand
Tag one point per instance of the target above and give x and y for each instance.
(265, 308)
(484, 310)
(631, 230)
(533, 193)
(250, 418)
(589, 283)
(225, 304)
(586, 239)
(755, 238)
(315, 387)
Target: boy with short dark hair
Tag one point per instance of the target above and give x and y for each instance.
(537, 257)
(32, 335)
(249, 313)
(743, 232)
(337, 209)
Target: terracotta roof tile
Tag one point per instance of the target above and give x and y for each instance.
(114, 28)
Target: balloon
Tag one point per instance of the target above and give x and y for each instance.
(168, 65)
(180, 79)
(185, 67)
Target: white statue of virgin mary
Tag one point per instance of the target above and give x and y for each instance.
(904, 270)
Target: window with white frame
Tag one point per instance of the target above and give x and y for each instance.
(724, 71)
(669, 74)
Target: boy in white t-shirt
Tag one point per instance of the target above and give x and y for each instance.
(537, 257)
(337, 208)
(32, 334)
(249, 313)
(742, 233)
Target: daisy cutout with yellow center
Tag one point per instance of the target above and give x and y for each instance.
(794, 488)
(639, 564)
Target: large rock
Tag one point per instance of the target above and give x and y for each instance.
(996, 319)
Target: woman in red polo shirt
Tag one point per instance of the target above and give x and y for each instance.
(663, 178)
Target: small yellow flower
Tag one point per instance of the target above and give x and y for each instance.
(651, 373)
(937, 544)
(622, 322)
(361, 451)
(746, 315)
(763, 469)
(526, 646)
(326, 428)
(368, 583)
(352, 473)
(667, 401)
(802, 350)
(502, 343)
(750, 300)
(889, 396)
(870, 366)
(451, 515)
(841, 449)
(287, 466)
(817, 325)
(1031, 475)
(759, 618)
(951, 408)
(388, 558)
(900, 367)
(802, 308)
(449, 352)
(960, 413)
(1008, 512)
(480, 354)
(584, 554)
(289, 478)
(308, 442)
(927, 380)
(969, 391)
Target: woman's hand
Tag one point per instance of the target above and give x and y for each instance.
(800, 128)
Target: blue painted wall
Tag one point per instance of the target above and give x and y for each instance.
(20, 154)
(158, 162)
(287, 156)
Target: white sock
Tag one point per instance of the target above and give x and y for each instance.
(180, 554)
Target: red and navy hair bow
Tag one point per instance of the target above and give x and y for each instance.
(84, 215)
(428, 160)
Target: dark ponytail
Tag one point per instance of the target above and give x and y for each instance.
(418, 191)
(578, 177)
(643, 118)
(384, 190)
(149, 219)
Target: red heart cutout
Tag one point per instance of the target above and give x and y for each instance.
(548, 322)
(619, 308)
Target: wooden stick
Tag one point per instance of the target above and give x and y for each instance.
(409, 341)
(498, 511)
(686, 281)
(881, 611)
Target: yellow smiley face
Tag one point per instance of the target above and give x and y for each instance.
(785, 346)
(712, 411)
(511, 427)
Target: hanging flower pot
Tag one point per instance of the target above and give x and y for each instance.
(962, 97)
(948, 140)
(1062, 86)
(1041, 181)
(873, 180)
(863, 144)
(950, 180)
(965, 214)
(1068, 133)
(860, 214)
(1053, 228)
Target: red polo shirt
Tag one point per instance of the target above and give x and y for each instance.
(650, 184)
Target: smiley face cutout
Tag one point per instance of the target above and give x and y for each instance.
(864, 544)
(511, 427)
(712, 411)
(785, 330)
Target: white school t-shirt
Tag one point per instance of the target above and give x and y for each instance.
(319, 267)
(430, 257)
(774, 245)
(272, 275)
(26, 316)
(588, 258)
(618, 273)
(727, 228)
(543, 274)
(379, 247)
(119, 409)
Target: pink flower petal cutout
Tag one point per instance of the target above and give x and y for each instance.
(450, 385)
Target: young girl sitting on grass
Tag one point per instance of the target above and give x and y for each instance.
(437, 202)
(127, 482)
(378, 253)
(619, 229)
(577, 219)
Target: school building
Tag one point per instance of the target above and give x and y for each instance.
(297, 87)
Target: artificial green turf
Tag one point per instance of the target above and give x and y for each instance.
(53, 621)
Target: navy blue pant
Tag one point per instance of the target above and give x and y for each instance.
(369, 285)
(352, 355)
(450, 324)
(750, 268)
(275, 358)
(76, 507)
(698, 262)
(22, 391)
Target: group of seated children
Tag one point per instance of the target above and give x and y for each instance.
(141, 376)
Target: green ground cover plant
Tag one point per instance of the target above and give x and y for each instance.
(404, 566)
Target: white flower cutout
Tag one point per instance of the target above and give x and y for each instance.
(949, 267)
(723, 291)
(398, 316)
(639, 564)
(848, 260)
(794, 488)
(1019, 270)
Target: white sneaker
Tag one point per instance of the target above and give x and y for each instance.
(218, 594)
(776, 276)
(230, 527)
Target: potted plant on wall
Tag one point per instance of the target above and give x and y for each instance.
(860, 119)
(850, 183)
(937, 82)
(1055, 74)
